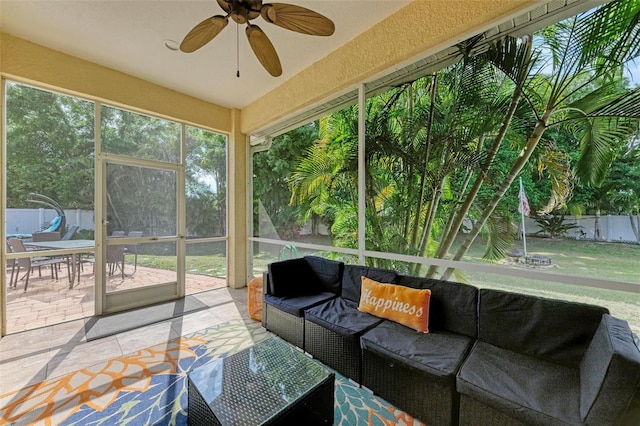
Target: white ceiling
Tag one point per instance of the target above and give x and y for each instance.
(129, 35)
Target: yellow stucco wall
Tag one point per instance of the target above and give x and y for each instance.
(422, 27)
(26, 61)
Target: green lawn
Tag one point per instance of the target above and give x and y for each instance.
(613, 261)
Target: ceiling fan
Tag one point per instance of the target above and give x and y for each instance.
(288, 16)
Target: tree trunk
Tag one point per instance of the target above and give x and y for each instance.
(463, 190)
(597, 232)
(452, 232)
(425, 162)
(532, 142)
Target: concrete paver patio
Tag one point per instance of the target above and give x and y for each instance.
(48, 301)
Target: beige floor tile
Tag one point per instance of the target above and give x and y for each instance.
(34, 355)
(25, 343)
(67, 335)
(230, 311)
(18, 372)
(193, 322)
(82, 356)
(213, 298)
(140, 338)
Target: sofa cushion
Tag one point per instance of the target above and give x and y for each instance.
(452, 307)
(555, 330)
(293, 277)
(297, 305)
(328, 272)
(529, 389)
(352, 279)
(609, 372)
(404, 305)
(342, 317)
(437, 354)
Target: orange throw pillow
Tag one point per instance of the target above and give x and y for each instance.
(404, 305)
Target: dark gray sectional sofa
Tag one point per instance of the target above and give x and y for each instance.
(490, 357)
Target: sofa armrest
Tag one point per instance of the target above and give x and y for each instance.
(609, 373)
(291, 278)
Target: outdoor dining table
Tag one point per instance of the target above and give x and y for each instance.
(89, 245)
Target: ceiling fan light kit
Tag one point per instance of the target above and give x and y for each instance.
(287, 16)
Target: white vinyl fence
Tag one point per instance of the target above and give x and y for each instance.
(27, 221)
(612, 228)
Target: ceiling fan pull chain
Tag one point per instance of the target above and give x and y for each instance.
(237, 50)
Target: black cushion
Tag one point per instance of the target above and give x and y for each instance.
(342, 317)
(452, 307)
(609, 373)
(293, 277)
(296, 305)
(352, 279)
(555, 330)
(328, 272)
(436, 354)
(529, 389)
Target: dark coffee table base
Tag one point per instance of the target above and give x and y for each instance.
(270, 383)
(314, 409)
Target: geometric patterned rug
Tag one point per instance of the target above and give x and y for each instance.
(148, 387)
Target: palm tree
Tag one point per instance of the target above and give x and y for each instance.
(431, 145)
(419, 137)
(584, 51)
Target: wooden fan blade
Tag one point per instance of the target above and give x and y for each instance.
(226, 5)
(298, 19)
(264, 50)
(203, 33)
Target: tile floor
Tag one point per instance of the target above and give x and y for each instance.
(32, 356)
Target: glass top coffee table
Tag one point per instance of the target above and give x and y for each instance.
(271, 382)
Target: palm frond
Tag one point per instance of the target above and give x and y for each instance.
(511, 56)
(383, 196)
(313, 173)
(625, 105)
(589, 46)
(500, 234)
(556, 166)
(607, 97)
(599, 144)
(610, 35)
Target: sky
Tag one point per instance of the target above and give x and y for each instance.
(633, 72)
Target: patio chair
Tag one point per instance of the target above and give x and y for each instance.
(51, 236)
(29, 263)
(133, 248)
(10, 263)
(115, 258)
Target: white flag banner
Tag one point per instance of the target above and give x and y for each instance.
(523, 207)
